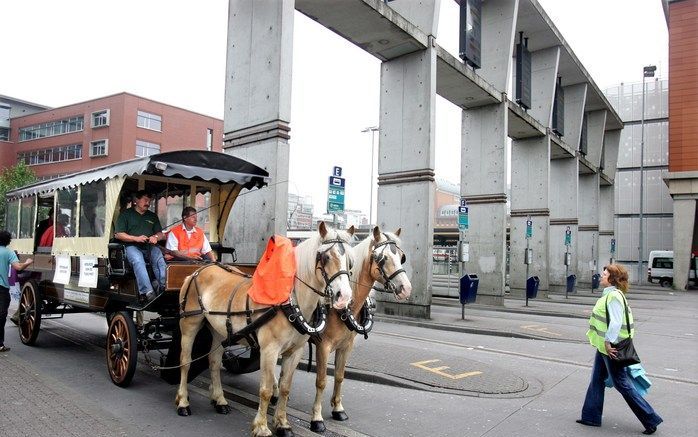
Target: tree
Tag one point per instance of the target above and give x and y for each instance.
(11, 178)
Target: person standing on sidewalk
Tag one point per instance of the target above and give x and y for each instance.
(8, 258)
(603, 337)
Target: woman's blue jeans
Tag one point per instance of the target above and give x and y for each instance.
(136, 256)
(593, 403)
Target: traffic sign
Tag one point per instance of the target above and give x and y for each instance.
(336, 182)
(568, 236)
(529, 228)
(613, 245)
(463, 218)
(337, 172)
(333, 207)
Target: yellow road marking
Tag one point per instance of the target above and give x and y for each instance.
(440, 370)
(539, 328)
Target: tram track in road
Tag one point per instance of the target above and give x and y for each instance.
(434, 341)
(242, 401)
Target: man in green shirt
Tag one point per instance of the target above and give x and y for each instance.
(140, 230)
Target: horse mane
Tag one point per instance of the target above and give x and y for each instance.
(307, 249)
(361, 253)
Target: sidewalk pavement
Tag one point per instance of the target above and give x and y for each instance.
(37, 405)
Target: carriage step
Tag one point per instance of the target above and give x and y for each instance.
(143, 304)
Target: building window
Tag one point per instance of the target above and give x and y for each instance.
(52, 128)
(4, 113)
(209, 139)
(144, 148)
(149, 121)
(99, 148)
(52, 154)
(4, 134)
(100, 118)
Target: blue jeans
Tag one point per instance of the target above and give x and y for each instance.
(136, 256)
(593, 403)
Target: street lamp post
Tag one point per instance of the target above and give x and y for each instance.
(373, 130)
(647, 71)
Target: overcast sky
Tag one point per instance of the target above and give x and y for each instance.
(62, 52)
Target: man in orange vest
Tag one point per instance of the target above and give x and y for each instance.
(188, 240)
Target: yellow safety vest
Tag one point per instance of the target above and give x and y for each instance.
(597, 322)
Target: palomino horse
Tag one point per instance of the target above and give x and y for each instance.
(378, 259)
(322, 263)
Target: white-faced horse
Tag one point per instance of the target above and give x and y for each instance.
(218, 296)
(378, 258)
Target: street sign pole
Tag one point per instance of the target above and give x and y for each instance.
(568, 242)
(527, 255)
(463, 247)
(335, 194)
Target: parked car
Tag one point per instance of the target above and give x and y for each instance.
(661, 268)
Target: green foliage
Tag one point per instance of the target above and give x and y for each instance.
(11, 178)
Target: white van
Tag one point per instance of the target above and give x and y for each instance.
(661, 268)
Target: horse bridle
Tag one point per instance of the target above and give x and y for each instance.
(321, 259)
(380, 258)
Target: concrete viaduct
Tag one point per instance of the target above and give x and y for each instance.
(551, 181)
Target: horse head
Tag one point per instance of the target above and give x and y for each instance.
(387, 259)
(333, 261)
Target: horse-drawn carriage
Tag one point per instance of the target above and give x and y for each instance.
(203, 307)
(85, 269)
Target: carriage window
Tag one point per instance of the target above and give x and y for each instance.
(67, 213)
(203, 202)
(170, 200)
(26, 217)
(92, 209)
(12, 217)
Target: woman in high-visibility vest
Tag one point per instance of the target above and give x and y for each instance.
(603, 336)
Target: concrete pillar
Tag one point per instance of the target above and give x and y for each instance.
(611, 141)
(564, 182)
(484, 184)
(588, 247)
(530, 185)
(684, 235)
(596, 125)
(424, 13)
(606, 212)
(257, 115)
(530, 180)
(406, 171)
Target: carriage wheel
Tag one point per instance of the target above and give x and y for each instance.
(122, 349)
(29, 313)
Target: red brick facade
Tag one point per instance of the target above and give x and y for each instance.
(683, 86)
(180, 130)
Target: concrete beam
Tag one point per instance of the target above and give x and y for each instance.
(498, 33)
(560, 149)
(521, 125)
(596, 127)
(460, 85)
(543, 79)
(424, 13)
(575, 101)
(370, 24)
(611, 143)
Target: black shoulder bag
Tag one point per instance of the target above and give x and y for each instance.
(625, 350)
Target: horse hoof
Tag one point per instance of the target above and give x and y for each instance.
(184, 411)
(317, 426)
(340, 415)
(274, 400)
(284, 432)
(222, 409)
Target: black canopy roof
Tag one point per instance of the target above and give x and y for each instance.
(197, 165)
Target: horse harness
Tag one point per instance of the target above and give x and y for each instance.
(380, 259)
(290, 309)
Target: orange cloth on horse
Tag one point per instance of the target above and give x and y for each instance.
(191, 243)
(272, 281)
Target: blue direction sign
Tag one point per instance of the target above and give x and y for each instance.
(463, 218)
(335, 191)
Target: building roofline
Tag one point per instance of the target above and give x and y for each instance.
(124, 93)
(25, 102)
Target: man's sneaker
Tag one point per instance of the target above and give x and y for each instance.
(150, 296)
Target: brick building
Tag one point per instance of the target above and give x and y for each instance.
(103, 131)
(682, 179)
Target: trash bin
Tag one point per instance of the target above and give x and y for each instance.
(532, 284)
(571, 281)
(595, 281)
(468, 288)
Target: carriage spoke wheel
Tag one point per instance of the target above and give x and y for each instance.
(122, 348)
(29, 313)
